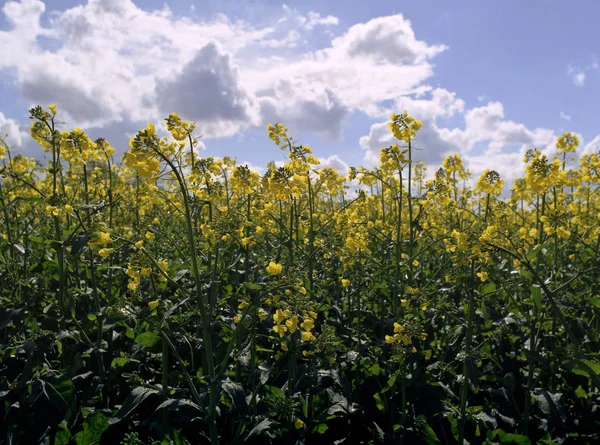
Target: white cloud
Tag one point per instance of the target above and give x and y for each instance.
(109, 65)
(579, 79)
(109, 61)
(207, 91)
(593, 146)
(304, 107)
(334, 162)
(388, 39)
(565, 116)
(309, 21)
(578, 72)
(10, 126)
(504, 141)
(314, 19)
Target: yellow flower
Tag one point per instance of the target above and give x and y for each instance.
(292, 324)
(236, 319)
(139, 244)
(274, 268)
(307, 336)
(298, 424)
(262, 314)
(308, 324)
(149, 236)
(153, 304)
(345, 282)
(404, 303)
(278, 316)
(243, 305)
(483, 276)
(105, 252)
(279, 329)
(52, 108)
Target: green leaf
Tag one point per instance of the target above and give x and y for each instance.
(119, 362)
(94, 425)
(535, 251)
(253, 286)
(594, 301)
(6, 316)
(63, 436)
(581, 393)
(536, 294)
(507, 438)
(375, 369)
(379, 402)
(586, 368)
(235, 391)
(263, 426)
(320, 428)
(488, 288)
(147, 339)
(137, 396)
(430, 435)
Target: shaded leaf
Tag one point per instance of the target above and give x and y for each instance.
(137, 396)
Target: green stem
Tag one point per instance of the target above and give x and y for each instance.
(465, 372)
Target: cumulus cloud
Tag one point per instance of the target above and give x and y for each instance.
(385, 39)
(10, 126)
(111, 67)
(487, 139)
(207, 91)
(334, 162)
(304, 107)
(593, 146)
(108, 61)
(430, 146)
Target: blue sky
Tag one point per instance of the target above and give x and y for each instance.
(489, 80)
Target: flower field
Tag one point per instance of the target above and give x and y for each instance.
(168, 298)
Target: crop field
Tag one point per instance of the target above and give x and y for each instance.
(169, 298)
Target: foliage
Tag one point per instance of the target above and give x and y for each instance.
(179, 299)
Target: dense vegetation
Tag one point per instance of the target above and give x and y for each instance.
(174, 298)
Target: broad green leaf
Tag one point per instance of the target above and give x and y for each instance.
(94, 425)
(118, 362)
(63, 436)
(137, 396)
(581, 393)
(488, 288)
(320, 428)
(147, 339)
